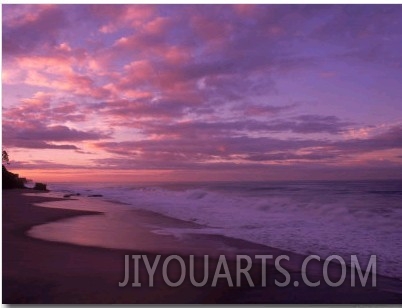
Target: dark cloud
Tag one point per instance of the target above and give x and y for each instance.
(290, 156)
(309, 124)
(306, 124)
(44, 165)
(42, 137)
(37, 144)
(133, 109)
(198, 153)
(370, 33)
(188, 151)
(347, 23)
(32, 124)
(262, 110)
(33, 30)
(57, 133)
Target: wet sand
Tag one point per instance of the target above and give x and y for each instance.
(43, 271)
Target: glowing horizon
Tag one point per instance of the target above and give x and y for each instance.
(202, 92)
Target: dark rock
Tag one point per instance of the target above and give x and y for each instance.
(40, 186)
(11, 180)
(95, 196)
(71, 195)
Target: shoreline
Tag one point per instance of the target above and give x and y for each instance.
(91, 274)
(159, 225)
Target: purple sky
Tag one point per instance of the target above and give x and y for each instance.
(203, 92)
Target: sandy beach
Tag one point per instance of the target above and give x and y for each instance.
(86, 268)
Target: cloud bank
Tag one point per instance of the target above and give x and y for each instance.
(205, 87)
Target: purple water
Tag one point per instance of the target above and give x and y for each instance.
(323, 218)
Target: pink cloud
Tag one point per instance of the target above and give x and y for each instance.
(68, 82)
(58, 69)
(117, 16)
(146, 41)
(245, 9)
(213, 31)
(64, 47)
(39, 100)
(118, 92)
(46, 64)
(138, 71)
(157, 26)
(177, 55)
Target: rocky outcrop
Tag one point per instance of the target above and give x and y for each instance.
(40, 186)
(11, 180)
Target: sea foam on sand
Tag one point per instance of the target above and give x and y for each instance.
(323, 218)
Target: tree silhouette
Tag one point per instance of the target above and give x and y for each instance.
(4, 157)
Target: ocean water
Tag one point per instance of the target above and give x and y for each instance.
(323, 218)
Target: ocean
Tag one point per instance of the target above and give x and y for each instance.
(344, 218)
